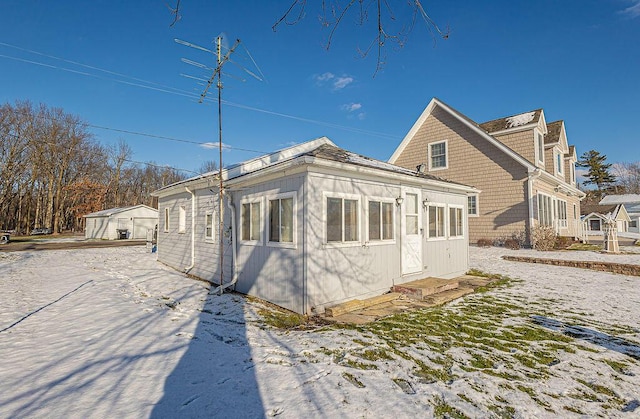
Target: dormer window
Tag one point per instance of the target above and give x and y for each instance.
(572, 170)
(559, 163)
(540, 145)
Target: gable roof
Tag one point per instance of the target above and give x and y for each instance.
(513, 121)
(469, 123)
(310, 152)
(112, 211)
(554, 129)
(617, 212)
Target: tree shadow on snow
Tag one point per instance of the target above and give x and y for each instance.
(215, 376)
(605, 340)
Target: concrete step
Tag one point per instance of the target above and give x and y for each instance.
(423, 288)
(446, 296)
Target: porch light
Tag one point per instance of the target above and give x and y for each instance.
(425, 202)
(399, 200)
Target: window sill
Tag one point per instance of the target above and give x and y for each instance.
(283, 245)
(339, 245)
(380, 243)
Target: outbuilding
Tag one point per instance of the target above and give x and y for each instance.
(314, 225)
(121, 223)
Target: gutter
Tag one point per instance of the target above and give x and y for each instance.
(234, 256)
(193, 230)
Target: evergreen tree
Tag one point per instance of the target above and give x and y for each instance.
(599, 173)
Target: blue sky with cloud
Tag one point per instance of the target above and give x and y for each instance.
(117, 66)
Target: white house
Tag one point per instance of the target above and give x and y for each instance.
(631, 203)
(314, 225)
(597, 214)
(116, 223)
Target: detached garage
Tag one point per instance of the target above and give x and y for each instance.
(121, 223)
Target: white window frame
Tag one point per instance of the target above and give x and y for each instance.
(476, 198)
(572, 171)
(166, 220)
(343, 196)
(446, 155)
(212, 226)
(540, 146)
(381, 200)
(444, 221)
(548, 211)
(562, 222)
(559, 162)
(182, 219)
(250, 200)
(448, 225)
(294, 226)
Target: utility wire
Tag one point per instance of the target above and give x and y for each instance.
(138, 82)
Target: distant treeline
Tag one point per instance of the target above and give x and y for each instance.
(52, 171)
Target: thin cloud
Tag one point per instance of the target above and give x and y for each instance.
(362, 116)
(324, 77)
(632, 11)
(351, 107)
(342, 82)
(330, 79)
(211, 145)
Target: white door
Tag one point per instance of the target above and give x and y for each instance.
(411, 231)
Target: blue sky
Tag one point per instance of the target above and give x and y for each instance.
(579, 60)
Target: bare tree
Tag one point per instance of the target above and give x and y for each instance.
(628, 177)
(333, 13)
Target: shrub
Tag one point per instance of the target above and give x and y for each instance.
(563, 242)
(544, 238)
(512, 244)
(485, 242)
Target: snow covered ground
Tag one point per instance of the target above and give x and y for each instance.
(110, 332)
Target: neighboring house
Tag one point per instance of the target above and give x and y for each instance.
(523, 166)
(314, 225)
(631, 204)
(595, 216)
(115, 223)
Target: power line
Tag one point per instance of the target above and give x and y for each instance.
(137, 82)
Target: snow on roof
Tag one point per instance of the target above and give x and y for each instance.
(620, 199)
(519, 120)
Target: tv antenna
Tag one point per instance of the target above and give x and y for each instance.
(216, 77)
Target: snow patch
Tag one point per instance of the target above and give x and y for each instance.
(519, 120)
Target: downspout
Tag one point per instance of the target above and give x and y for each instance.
(531, 176)
(193, 230)
(234, 276)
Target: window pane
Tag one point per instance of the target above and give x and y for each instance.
(374, 220)
(387, 221)
(412, 224)
(334, 219)
(412, 203)
(472, 205)
(350, 220)
(459, 221)
(452, 222)
(208, 232)
(440, 217)
(438, 155)
(432, 221)
(274, 220)
(286, 220)
(255, 221)
(246, 222)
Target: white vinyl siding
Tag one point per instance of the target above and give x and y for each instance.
(438, 158)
